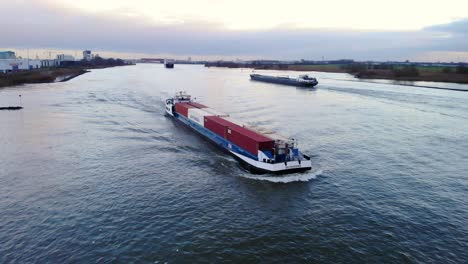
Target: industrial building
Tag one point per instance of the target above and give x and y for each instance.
(9, 65)
(65, 58)
(87, 55)
(7, 55)
(49, 63)
(9, 62)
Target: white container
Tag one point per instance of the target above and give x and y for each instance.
(197, 115)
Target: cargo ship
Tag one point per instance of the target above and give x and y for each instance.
(302, 80)
(259, 152)
(169, 63)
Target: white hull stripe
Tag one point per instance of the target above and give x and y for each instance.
(275, 167)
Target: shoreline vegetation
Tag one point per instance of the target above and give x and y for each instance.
(57, 74)
(44, 75)
(396, 72)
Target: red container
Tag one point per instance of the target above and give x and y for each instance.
(249, 140)
(197, 105)
(182, 108)
(217, 125)
(242, 137)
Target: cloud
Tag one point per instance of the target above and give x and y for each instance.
(454, 36)
(456, 27)
(40, 24)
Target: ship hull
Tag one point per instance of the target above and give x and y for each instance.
(284, 81)
(247, 160)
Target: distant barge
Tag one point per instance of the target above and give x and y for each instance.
(259, 152)
(169, 63)
(11, 107)
(302, 80)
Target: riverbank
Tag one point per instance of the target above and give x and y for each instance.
(321, 68)
(48, 75)
(423, 75)
(427, 74)
(64, 73)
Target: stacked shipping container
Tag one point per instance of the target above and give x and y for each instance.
(197, 115)
(249, 140)
(217, 125)
(242, 137)
(182, 108)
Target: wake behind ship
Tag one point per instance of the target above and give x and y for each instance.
(258, 152)
(302, 80)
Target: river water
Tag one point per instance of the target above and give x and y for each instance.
(92, 171)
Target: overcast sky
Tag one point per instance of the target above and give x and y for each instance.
(294, 29)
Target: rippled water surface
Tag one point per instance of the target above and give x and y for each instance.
(92, 171)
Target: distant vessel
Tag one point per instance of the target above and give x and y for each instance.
(260, 152)
(11, 107)
(302, 80)
(169, 63)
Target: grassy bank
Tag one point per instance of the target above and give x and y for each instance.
(364, 71)
(320, 68)
(361, 70)
(67, 71)
(411, 73)
(47, 75)
(423, 75)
